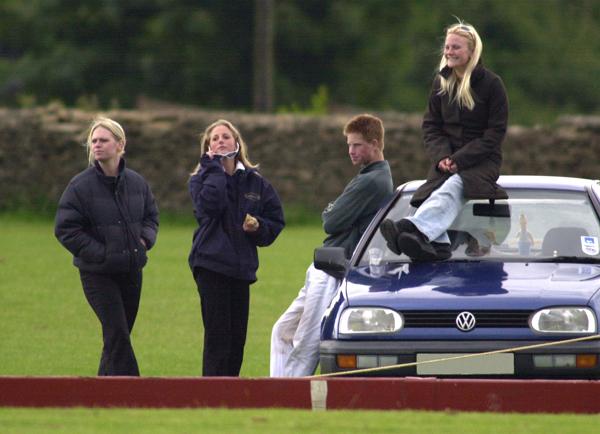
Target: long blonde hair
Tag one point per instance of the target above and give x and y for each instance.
(242, 155)
(460, 89)
(115, 129)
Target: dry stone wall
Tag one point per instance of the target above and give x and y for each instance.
(304, 157)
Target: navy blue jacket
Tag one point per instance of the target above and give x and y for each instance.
(101, 219)
(221, 203)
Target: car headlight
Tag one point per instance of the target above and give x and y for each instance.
(564, 320)
(370, 320)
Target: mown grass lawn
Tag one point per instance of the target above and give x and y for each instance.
(47, 329)
(221, 421)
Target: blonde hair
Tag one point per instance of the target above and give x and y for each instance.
(460, 89)
(242, 155)
(115, 129)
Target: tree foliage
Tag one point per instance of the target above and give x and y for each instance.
(372, 54)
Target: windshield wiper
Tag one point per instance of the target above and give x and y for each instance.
(569, 260)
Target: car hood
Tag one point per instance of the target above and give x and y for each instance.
(475, 285)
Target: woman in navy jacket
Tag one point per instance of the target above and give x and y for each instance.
(237, 210)
(107, 218)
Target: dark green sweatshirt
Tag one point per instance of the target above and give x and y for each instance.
(346, 218)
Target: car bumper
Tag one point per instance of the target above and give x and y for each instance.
(379, 357)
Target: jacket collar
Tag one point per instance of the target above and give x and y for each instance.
(239, 166)
(373, 166)
(476, 75)
(109, 179)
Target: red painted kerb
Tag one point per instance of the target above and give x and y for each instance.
(530, 396)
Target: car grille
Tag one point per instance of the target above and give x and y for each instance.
(484, 318)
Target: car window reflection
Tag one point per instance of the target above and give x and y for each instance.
(532, 224)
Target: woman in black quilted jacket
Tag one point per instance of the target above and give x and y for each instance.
(108, 219)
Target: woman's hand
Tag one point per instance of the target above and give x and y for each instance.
(452, 168)
(447, 165)
(250, 224)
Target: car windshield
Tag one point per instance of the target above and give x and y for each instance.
(532, 225)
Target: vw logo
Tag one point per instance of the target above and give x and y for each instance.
(465, 321)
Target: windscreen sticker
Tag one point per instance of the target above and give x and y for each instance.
(589, 245)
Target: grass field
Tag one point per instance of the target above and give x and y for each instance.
(47, 329)
(208, 421)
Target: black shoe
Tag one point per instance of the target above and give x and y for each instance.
(417, 247)
(405, 225)
(390, 234)
(391, 230)
(443, 250)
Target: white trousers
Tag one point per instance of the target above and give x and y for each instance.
(296, 334)
(439, 210)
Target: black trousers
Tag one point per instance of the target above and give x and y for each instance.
(115, 299)
(224, 302)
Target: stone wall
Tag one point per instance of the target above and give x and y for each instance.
(304, 157)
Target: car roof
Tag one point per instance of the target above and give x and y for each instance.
(527, 181)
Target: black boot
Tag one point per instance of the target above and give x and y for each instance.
(442, 250)
(391, 230)
(417, 246)
(390, 235)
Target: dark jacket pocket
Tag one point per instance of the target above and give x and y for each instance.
(141, 255)
(117, 262)
(93, 253)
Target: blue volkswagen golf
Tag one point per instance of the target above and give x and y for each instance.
(522, 285)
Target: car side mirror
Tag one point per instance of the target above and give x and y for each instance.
(331, 260)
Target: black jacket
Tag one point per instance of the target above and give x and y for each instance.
(220, 204)
(101, 220)
(471, 138)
